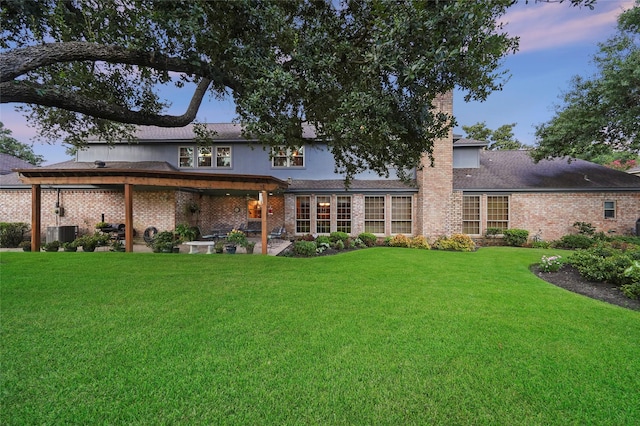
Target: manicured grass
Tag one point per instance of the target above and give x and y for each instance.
(377, 336)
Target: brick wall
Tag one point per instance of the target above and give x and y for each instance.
(555, 213)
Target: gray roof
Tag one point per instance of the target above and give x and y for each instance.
(516, 171)
(334, 185)
(223, 132)
(9, 162)
(468, 142)
(120, 165)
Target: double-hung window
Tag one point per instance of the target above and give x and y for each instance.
(204, 156)
(374, 214)
(185, 156)
(609, 209)
(323, 214)
(286, 157)
(303, 214)
(471, 214)
(343, 214)
(498, 211)
(401, 213)
(223, 157)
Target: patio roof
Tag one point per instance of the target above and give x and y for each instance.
(129, 178)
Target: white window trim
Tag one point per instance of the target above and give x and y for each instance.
(289, 158)
(215, 155)
(193, 154)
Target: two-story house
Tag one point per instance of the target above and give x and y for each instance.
(166, 178)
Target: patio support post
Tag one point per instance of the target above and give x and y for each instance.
(128, 217)
(265, 207)
(36, 216)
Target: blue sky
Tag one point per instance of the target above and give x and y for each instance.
(556, 42)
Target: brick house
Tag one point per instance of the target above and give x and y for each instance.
(467, 190)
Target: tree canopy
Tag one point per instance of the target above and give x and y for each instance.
(499, 139)
(600, 115)
(364, 73)
(10, 145)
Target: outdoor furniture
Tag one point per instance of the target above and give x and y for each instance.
(278, 232)
(194, 245)
(220, 231)
(254, 228)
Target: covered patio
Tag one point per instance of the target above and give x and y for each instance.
(129, 179)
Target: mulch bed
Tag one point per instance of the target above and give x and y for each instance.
(569, 279)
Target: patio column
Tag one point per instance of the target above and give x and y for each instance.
(36, 216)
(265, 207)
(128, 217)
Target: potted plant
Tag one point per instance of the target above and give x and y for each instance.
(186, 232)
(117, 245)
(52, 246)
(102, 225)
(218, 246)
(70, 246)
(25, 245)
(90, 242)
(235, 238)
(164, 242)
(250, 245)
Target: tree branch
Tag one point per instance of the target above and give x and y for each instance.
(17, 62)
(30, 93)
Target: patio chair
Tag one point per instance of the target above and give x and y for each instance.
(277, 233)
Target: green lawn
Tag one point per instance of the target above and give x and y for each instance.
(376, 336)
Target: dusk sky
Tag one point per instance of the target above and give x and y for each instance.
(557, 42)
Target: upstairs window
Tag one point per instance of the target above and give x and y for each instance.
(185, 157)
(285, 157)
(204, 156)
(223, 156)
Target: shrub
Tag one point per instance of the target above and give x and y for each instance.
(368, 239)
(400, 240)
(632, 291)
(12, 234)
(90, 242)
(70, 246)
(420, 242)
(515, 237)
(492, 232)
(321, 247)
(52, 246)
(602, 264)
(584, 228)
(550, 263)
(307, 237)
(541, 244)
(573, 242)
(339, 245)
(304, 248)
(457, 242)
(323, 239)
(339, 236)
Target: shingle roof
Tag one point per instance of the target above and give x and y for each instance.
(8, 162)
(120, 165)
(355, 185)
(516, 171)
(223, 132)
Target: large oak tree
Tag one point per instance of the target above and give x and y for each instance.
(600, 115)
(363, 73)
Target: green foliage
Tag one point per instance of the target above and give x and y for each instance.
(304, 248)
(457, 242)
(363, 71)
(25, 245)
(551, 263)
(237, 238)
(585, 228)
(368, 239)
(11, 146)
(574, 241)
(51, 246)
(339, 245)
(541, 244)
(164, 242)
(12, 233)
(70, 246)
(605, 262)
(599, 116)
(339, 236)
(515, 237)
(500, 139)
(323, 239)
(186, 232)
(492, 232)
(89, 242)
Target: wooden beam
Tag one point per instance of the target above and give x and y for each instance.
(36, 218)
(264, 214)
(128, 218)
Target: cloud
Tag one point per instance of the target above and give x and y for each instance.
(551, 25)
